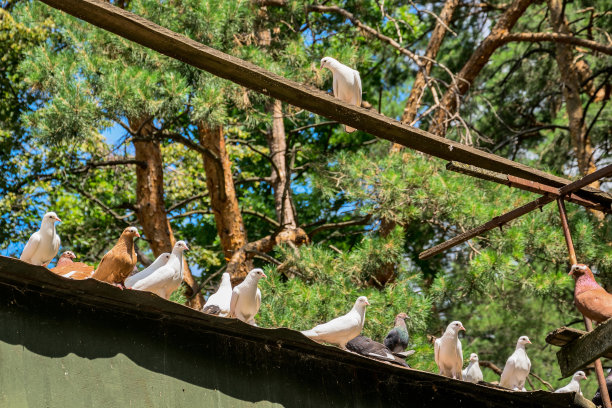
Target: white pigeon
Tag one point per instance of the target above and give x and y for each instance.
(44, 243)
(166, 279)
(448, 352)
(158, 263)
(246, 297)
(342, 329)
(472, 372)
(222, 297)
(574, 385)
(517, 367)
(346, 83)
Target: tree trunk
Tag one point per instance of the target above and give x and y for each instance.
(223, 200)
(150, 206)
(420, 80)
(280, 178)
(473, 66)
(570, 77)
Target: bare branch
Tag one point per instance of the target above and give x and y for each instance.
(556, 37)
(341, 224)
(260, 215)
(186, 201)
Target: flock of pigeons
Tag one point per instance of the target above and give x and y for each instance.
(165, 274)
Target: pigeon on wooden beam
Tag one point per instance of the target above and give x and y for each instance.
(574, 385)
(118, 263)
(346, 83)
(43, 245)
(218, 303)
(167, 278)
(448, 353)
(597, 397)
(589, 297)
(397, 338)
(161, 260)
(517, 367)
(246, 297)
(342, 329)
(370, 348)
(472, 372)
(70, 269)
(65, 259)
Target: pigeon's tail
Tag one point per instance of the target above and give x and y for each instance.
(349, 129)
(311, 334)
(212, 310)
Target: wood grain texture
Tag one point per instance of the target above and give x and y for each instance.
(586, 349)
(167, 42)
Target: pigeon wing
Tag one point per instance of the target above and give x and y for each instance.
(356, 89)
(155, 281)
(30, 248)
(508, 375)
(234, 301)
(437, 351)
(258, 299)
(459, 361)
(335, 85)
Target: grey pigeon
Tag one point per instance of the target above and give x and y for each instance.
(472, 372)
(517, 367)
(448, 352)
(346, 83)
(221, 298)
(43, 245)
(574, 385)
(397, 338)
(597, 397)
(246, 297)
(370, 348)
(342, 329)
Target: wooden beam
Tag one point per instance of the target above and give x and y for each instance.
(563, 336)
(517, 212)
(522, 184)
(167, 42)
(586, 349)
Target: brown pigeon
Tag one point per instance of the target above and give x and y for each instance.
(65, 259)
(118, 263)
(70, 269)
(591, 299)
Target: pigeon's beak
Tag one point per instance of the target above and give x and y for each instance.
(321, 66)
(137, 234)
(462, 328)
(367, 303)
(186, 247)
(528, 341)
(57, 219)
(264, 275)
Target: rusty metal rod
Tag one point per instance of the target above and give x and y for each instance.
(523, 184)
(601, 379)
(494, 223)
(517, 212)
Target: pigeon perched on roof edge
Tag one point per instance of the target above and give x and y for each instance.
(43, 245)
(517, 367)
(246, 297)
(342, 329)
(448, 353)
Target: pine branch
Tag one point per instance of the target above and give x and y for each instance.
(341, 224)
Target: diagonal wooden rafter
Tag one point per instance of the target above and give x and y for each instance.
(562, 192)
(167, 42)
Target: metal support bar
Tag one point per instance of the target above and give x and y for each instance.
(601, 379)
(518, 212)
(494, 223)
(523, 184)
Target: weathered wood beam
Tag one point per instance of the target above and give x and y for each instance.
(586, 349)
(563, 336)
(517, 212)
(522, 184)
(167, 42)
